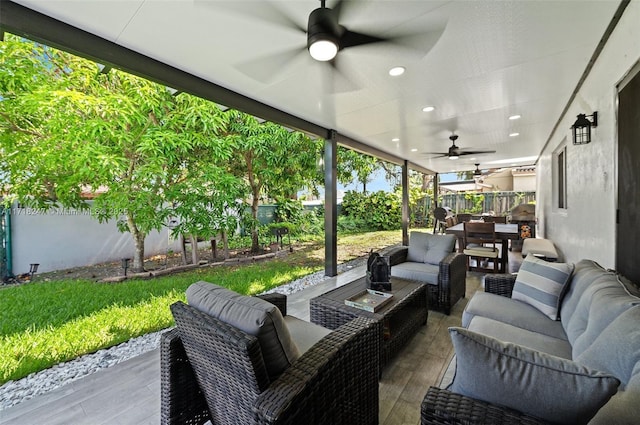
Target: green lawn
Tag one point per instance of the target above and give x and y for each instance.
(45, 323)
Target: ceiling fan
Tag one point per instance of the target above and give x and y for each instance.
(455, 152)
(326, 37)
(477, 171)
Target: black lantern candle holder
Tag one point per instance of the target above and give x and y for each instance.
(582, 128)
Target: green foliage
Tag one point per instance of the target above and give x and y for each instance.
(272, 161)
(377, 211)
(355, 165)
(289, 210)
(478, 202)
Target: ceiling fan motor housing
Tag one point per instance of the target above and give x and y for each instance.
(323, 25)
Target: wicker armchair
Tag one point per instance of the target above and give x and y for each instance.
(452, 277)
(213, 371)
(441, 406)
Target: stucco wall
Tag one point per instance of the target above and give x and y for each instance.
(586, 228)
(62, 239)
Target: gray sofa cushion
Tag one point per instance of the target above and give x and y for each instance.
(416, 271)
(584, 273)
(548, 387)
(623, 333)
(418, 246)
(623, 362)
(604, 300)
(252, 315)
(516, 313)
(428, 248)
(304, 334)
(533, 340)
(541, 284)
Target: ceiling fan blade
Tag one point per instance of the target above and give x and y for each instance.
(421, 41)
(267, 69)
(352, 39)
(264, 11)
(341, 81)
(466, 152)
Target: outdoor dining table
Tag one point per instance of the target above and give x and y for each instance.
(504, 232)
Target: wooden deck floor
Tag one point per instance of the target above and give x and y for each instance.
(129, 393)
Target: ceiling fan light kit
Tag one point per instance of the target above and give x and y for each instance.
(323, 34)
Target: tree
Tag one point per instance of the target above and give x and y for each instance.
(357, 166)
(40, 113)
(66, 128)
(272, 160)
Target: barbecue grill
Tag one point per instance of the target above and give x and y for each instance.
(524, 215)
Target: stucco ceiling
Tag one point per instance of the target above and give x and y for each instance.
(476, 62)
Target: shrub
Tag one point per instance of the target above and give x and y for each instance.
(376, 211)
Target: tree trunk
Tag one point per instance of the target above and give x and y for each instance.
(225, 243)
(255, 242)
(183, 252)
(138, 240)
(195, 258)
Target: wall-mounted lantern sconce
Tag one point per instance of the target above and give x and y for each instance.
(125, 265)
(582, 128)
(33, 269)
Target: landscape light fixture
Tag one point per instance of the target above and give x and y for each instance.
(582, 128)
(125, 265)
(33, 269)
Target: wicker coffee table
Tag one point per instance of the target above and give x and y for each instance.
(399, 319)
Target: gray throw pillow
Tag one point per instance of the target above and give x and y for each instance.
(253, 316)
(548, 387)
(542, 284)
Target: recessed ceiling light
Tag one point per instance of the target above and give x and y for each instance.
(428, 108)
(395, 139)
(398, 70)
(414, 150)
(515, 117)
(514, 134)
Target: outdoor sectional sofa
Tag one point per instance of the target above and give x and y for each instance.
(516, 364)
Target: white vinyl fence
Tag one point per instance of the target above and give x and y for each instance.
(64, 238)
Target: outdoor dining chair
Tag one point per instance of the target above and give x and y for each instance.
(480, 246)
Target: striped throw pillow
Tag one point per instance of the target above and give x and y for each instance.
(542, 284)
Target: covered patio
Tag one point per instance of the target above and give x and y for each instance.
(482, 71)
(129, 393)
(509, 78)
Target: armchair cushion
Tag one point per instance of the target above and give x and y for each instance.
(548, 387)
(542, 284)
(421, 272)
(428, 248)
(252, 315)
